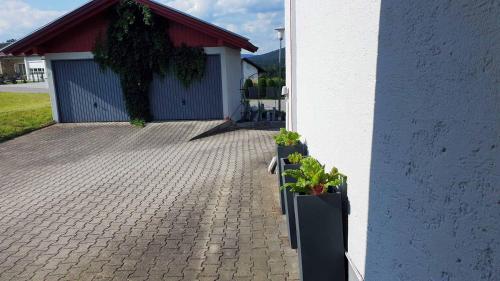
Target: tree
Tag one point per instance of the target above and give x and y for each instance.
(248, 84)
(262, 86)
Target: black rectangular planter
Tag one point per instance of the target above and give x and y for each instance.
(320, 237)
(283, 152)
(289, 202)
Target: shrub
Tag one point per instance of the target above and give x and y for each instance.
(287, 138)
(295, 158)
(13, 80)
(262, 87)
(248, 84)
(271, 83)
(280, 82)
(312, 178)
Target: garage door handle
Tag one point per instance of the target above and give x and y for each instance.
(183, 102)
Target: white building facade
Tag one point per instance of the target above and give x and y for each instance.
(249, 71)
(35, 68)
(404, 98)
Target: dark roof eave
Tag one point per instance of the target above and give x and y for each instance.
(259, 68)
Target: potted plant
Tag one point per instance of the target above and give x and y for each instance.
(287, 143)
(290, 163)
(318, 217)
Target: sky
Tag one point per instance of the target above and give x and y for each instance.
(254, 19)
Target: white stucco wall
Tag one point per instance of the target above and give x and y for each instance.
(249, 71)
(34, 62)
(404, 97)
(335, 85)
(231, 80)
(290, 61)
(233, 64)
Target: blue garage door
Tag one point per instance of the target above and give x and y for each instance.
(202, 100)
(85, 93)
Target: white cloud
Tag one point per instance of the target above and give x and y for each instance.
(255, 19)
(197, 8)
(17, 18)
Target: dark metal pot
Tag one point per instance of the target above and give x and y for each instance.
(320, 237)
(283, 152)
(289, 202)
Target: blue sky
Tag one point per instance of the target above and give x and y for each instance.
(255, 19)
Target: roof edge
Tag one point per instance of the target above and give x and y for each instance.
(90, 8)
(260, 68)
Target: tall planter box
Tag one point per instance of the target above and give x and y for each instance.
(289, 202)
(320, 237)
(283, 152)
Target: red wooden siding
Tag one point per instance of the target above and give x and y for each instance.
(81, 38)
(77, 31)
(182, 34)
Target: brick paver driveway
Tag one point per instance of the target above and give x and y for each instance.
(113, 202)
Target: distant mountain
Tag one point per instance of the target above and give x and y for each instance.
(269, 61)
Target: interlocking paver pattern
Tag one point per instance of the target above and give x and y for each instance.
(114, 202)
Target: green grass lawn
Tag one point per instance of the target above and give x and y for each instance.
(23, 113)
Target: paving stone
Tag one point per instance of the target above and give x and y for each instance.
(115, 202)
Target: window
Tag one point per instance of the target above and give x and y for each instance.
(20, 68)
(37, 71)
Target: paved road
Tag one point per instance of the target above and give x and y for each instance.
(113, 202)
(42, 87)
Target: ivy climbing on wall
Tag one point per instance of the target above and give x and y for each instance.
(189, 64)
(137, 47)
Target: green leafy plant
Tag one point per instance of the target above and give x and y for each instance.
(262, 85)
(136, 47)
(248, 84)
(295, 158)
(287, 138)
(271, 83)
(189, 64)
(280, 82)
(312, 178)
(138, 123)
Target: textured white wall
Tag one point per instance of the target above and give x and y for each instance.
(404, 97)
(291, 57)
(233, 64)
(336, 58)
(231, 79)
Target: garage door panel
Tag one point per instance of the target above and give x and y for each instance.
(86, 93)
(170, 100)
